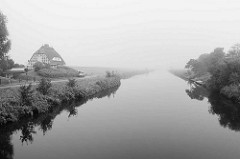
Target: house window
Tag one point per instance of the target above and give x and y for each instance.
(57, 59)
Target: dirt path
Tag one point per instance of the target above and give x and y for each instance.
(15, 85)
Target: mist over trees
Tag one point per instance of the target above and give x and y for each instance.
(224, 69)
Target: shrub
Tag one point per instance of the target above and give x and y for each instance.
(38, 66)
(8, 113)
(78, 94)
(40, 103)
(67, 95)
(44, 86)
(26, 95)
(71, 83)
(111, 74)
(70, 94)
(58, 72)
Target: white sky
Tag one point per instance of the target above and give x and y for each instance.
(122, 33)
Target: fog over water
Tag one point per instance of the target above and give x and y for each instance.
(126, 33)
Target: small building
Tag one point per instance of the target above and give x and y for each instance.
(46, 55)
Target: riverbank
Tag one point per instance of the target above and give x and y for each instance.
(12, 111)
(185, 75)
(18, 102)
(229, 91)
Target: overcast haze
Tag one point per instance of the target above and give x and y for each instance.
(122, 33)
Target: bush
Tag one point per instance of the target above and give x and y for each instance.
(58, 72)
(44, 86)
(40, 103)
(70, 94)
(71, 83)
(111, 74)
(26, 95)
(67, 95)
(8, 113)
(38, 66)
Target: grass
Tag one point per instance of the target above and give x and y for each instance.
(61, 71)
(12, 109)
(54, 73)
(61, 93)
(5, 81)
(123, 72)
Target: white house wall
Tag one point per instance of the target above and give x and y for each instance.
(39, 58)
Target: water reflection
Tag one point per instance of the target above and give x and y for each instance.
(196, 92)
(27, 132)
(6, 147)
(228, 111)
(45, 122)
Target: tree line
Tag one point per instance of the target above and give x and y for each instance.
(5, 45)
(224, 70)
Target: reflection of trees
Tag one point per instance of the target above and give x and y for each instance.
(227, 110)
(27, 132)
(45, 121)
(46, 124)
(72, 112)
(196, 92)
(6, 147)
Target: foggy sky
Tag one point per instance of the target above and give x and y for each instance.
(122, 33)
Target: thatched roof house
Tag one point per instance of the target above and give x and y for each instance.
(46, 55)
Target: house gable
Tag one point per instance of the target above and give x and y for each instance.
(48, 55)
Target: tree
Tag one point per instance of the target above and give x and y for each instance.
(26, 95)
(234, 51)
(5, 65)
(44, 86)
(72, 83)
(195, 66)
(5, 43)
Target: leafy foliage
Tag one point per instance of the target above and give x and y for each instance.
(44, 86)
(111, 74)
(223, 68)
(234, 51)
(26, 95)
(38, 66)
(29, 102)
(58, 72)
(5, 45)
(206, 62)
(72, 83)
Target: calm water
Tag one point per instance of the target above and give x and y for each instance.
(149, 117)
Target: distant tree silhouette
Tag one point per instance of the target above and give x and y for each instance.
(5, 45)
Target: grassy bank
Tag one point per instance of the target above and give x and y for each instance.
(186, 75)
(122, 72)
(14, 107)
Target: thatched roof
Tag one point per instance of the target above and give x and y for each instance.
(51, 54)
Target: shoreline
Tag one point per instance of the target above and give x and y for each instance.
(201, 80)
(45, 119)
(85, 89)
(11, 111)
